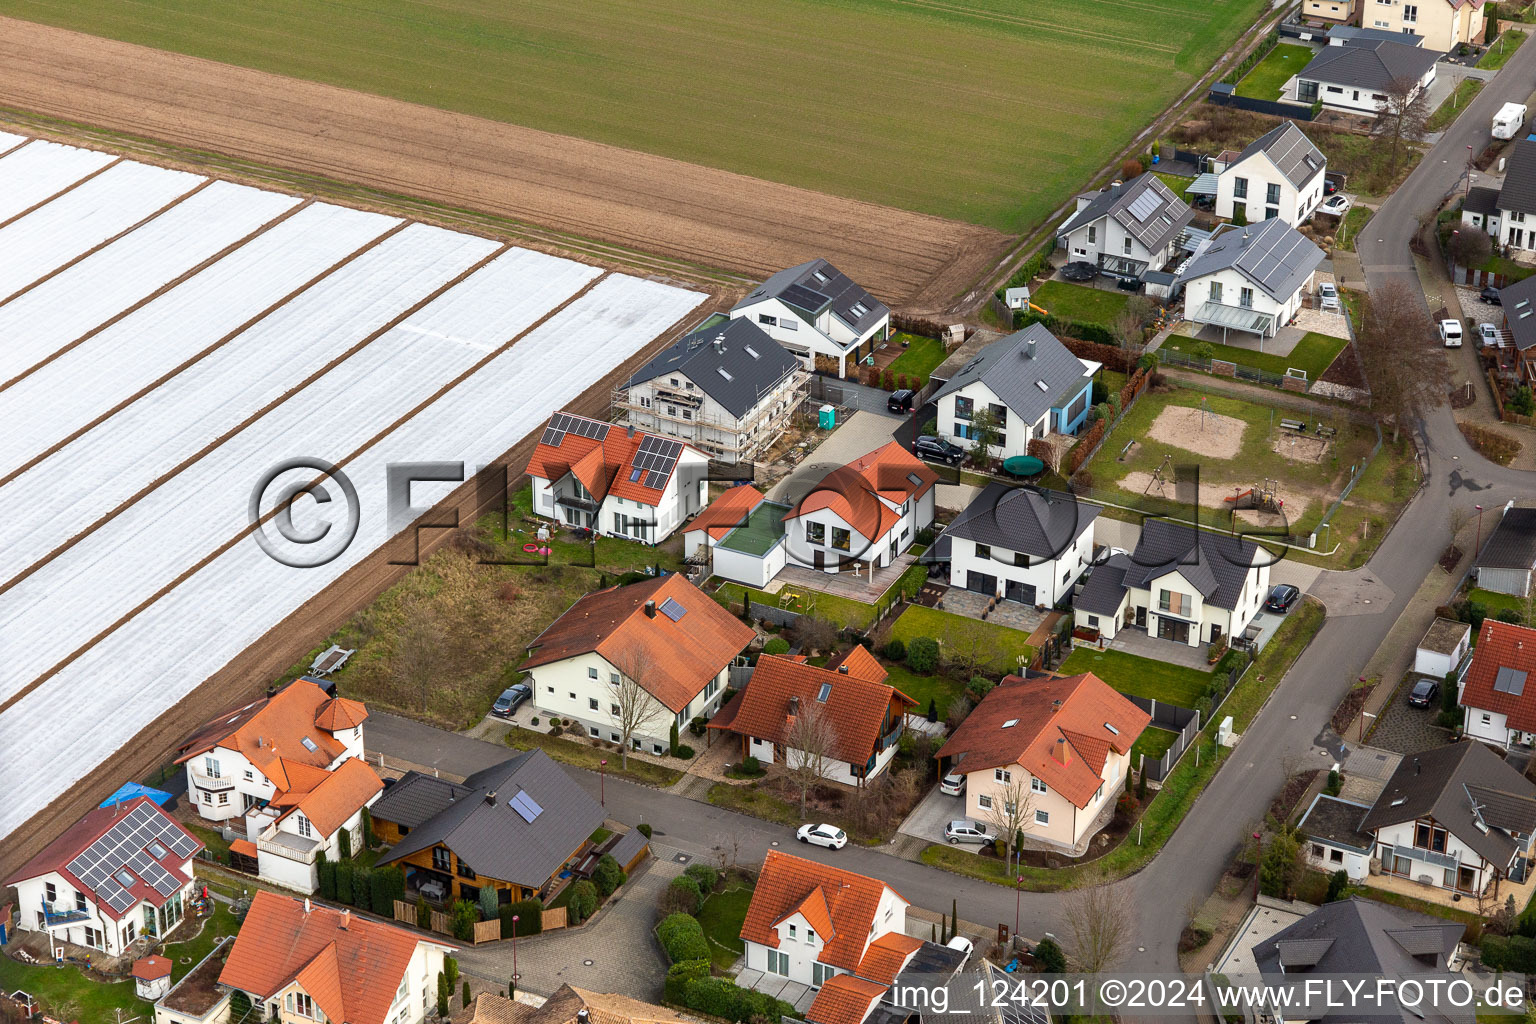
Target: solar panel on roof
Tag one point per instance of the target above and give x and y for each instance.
(1145, 204)
(805, 298)
(672, 610)
(525, 806)
(1510, 681)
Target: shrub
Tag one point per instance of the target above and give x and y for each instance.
(1130, 168)
(697, 725)
(582, 903)
(388, 886)
(326, 871)
(344, 872)
(465, 995)
(720, 997)
(895, 650)
(1508, 615)
(684, 752)
(750, 765)
(674, 989)
(643, 829)
(344, 844)
(1337, 883)
(923, 655)
(1049, 958)
(682, 937)
(607, 876)
(933, 709)
(463, 918)
(672, 739)
(1030, 268)
(423, 913)
(529, 914)
(366, 820)
(776, 645)
(685, 891)
(706, 876)
(979, 687)
(488, 904)
(443, 989)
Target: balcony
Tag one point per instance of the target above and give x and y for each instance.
(54, 918)
(211, 784)
(288, 846)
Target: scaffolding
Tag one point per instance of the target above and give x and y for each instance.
(678, 412)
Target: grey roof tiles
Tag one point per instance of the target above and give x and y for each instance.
(753, 364)
(1274, 256)
(1013, 369)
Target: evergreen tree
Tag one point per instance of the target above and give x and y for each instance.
(344, 844)
(369, 839)
(344, 872)
(1049, 958)
(673, 739)
(442, 994)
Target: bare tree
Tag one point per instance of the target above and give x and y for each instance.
(1470, 246)
(1013, 810)
(808, 742)
(1098, 915)
(1401, 116)
(1131, 321)
(1403, 366)
(633, 706)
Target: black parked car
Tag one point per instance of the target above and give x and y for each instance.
(937, 449)
(1424, 693)
(1281, 598)
(901, 401)
(1490, 295)
(510, 698)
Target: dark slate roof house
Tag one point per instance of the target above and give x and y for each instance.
(1369, 64)
(1512, 544)
(1216, 564)
(817, 285)
(1519, 301)
(1292, 153)
(733, 362)
(1035, 522)
(1276, 257)
(1029, 371)
(1145, 207)
(519, 821)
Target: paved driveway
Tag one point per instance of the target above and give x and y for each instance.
(616, 952)
(931, 814)
(1406, 729)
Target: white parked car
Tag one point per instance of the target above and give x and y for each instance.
(829, 836)
(1336, 205)
(1450, 333)
(1490, 336)
(965, 946)
(952, 784)
(1328, 296)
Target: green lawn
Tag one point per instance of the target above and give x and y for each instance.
(1355, 221)
(1496, 603)
(1270, 74)
(721, 916)
(877, 109)
(923, 688)
(1314, 353)
(840, 611)
(1076, 302)
(584, 755)
(609, 553)
(997, 649)
(1140, 677)
(921, 356)
(1153, 743)
(1502, 49)
(1178, 182)
(1452, 106)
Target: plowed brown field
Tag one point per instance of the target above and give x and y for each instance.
(647, 203)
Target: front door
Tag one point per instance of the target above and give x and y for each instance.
(1517, 237)
(1141, 618)
(1172, 629)
(1024, 593)
(1215, 633)
(819, 559)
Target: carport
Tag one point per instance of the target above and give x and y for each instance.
(1237, 318)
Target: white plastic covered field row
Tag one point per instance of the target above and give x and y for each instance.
(80, 385)
(34, 172)
(86, 588)
(34, 246)
(61, 310)
(9, 142)
(123, 683)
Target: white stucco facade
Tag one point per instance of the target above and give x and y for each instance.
(686, 493)
(584, 687)
(1230, 288)
(828, 336)
(77, 919)
(224, 784)
(801, 947)
(999, 572)
(287, 849)
(823, 539)
(1172, 608)
(1257, 186)
(1051, 817)
(1401, 851)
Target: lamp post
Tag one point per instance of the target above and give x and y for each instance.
(1018, 895)
(515, 976)
(602, 782)
(1479, 546)
(1259, 860)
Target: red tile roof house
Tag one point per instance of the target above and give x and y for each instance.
(664, 634)
(868, 512)
(305, 962)
(1499, 687)
(863, 715)
(619, 481)
(1063, 745)
(118, 874)
(287, 770)
(841, 933)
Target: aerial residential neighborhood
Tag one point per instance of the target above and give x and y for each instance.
(766, 513)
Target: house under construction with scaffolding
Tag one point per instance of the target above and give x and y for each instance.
(726, 388)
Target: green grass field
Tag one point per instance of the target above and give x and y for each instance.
(921, 356)
(1076, 302)
(1451, 107)
(1502, 49)
(957, 109)
(1266, 78)
(1314, 353)
(996, 649)
(1140, 677)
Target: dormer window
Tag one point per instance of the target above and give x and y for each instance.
(792, 931)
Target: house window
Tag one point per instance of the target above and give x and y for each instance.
(1336, 856)
(591, 703)
(1245, 297)
(301, 1004)
(223, 799)
(983, 551)
(1239, 188)
(1335, 88)
(249, 775)
(207, 798)
(984, 802)
(50, 893)
(1410, 13)
(465, 871)
(1173, 603)
(789, 324)
(1215, 291)
(1271, 212)
(1093, 622)
(1429, 837)
(591, 673)
(1042, 817)
(816, 533)
(820, 973)
(1126, 245)
(1272, 194)
(592, 731)
(1487, 718)
(767, 321)
(778, 963)
(965, 408)
(304, 828)
(842, 539)
(1036, 786)
(711, 688)
(211, 768)
(1098, 793)
(1002, 775)
(1093, 233)
(442, 860)
(613, 709)
(94, 937)
(613, 679)
(793, 933)
(999, 414)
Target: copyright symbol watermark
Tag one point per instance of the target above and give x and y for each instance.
(299, 490)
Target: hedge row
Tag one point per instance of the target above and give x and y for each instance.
(1509, 953)
(721, 997)
(1085, 445)
(1246, 64)
(1031, 268)
(529, 914)
(1060, 325)
(682, 937)
(346, 882)
(1112, 356)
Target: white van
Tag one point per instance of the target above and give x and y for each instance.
(1450, 333)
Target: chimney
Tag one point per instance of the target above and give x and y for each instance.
(1029, 349)
(650, 609)
(306, 904)
(720, 342)
(271, 692)
(1055, 706)
(490, 798)
(794, 705)
(843, 669)
(582, 1016)
(344, 920)
(629, 431)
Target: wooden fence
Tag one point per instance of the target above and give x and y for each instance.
(484, 931)
(553, 918)
(1505, 414)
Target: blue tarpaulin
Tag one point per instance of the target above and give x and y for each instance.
(131, 790)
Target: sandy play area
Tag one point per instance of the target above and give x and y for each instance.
(1301, 447)
(1213, 495)
(1203, 433)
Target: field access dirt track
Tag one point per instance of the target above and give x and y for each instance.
(648, 203)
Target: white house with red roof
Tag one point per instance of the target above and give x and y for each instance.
(868, 512)
(1498, 689)
(287, 770)
(616, 480)
(118, 874)
(304, 962)
(841, 933)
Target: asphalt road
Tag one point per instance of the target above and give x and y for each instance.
(1287, 731)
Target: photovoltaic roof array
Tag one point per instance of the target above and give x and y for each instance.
(656, 458)
(564, 423)
(126, 845)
